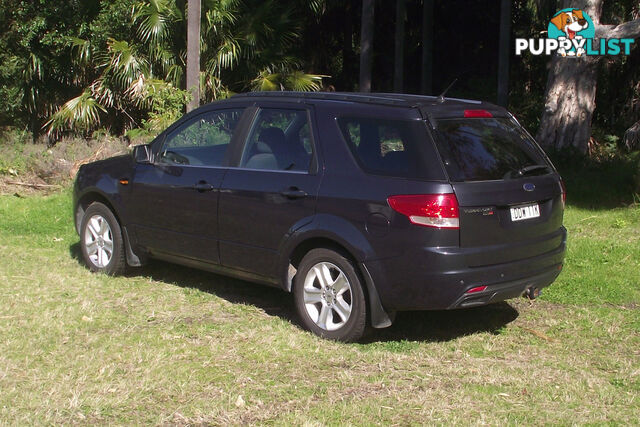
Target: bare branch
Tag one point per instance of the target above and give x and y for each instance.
(626, 30)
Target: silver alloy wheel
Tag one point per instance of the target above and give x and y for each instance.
(327, 296)
(98, 239)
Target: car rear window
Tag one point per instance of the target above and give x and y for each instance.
(475, 149)
(400, 148)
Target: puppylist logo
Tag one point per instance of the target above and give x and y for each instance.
(571, 33)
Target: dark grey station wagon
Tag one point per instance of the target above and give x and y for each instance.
(359, 205)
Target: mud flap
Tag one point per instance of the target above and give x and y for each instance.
(379, 317)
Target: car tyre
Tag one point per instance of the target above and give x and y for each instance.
(101, 241)
(329, 296)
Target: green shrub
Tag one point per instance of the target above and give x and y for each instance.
(167, 104)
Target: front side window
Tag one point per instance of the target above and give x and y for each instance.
(280, 139)
(399, 148)
(202, 141)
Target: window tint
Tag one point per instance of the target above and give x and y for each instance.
(279, 140)
(399, 148)
(202, 141)
(487, 149)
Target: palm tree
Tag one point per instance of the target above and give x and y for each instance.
(504, 52)
(193, 53)
(426, 81)
(398, 74)
(366, 45)
(244, 45)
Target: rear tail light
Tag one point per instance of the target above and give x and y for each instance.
(431, 210)
(475, 114)
(476, 289)
(564, 194)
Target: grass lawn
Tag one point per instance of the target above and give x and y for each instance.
(168, 344)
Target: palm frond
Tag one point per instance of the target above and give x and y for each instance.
(79, 114)
(175, 74)
(227, 55)
(103, 93)
(124, 63)
(318, 7)
(154, 19)
(33, 71)
(302, 82)
(266, 81)
(82, 50)
(219, 14)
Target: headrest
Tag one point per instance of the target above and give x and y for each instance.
(271, 136)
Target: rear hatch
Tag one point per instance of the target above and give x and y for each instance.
(510, 196)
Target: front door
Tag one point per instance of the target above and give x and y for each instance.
(271, 191)
(176, 197)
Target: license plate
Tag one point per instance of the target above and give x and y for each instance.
(525, 212)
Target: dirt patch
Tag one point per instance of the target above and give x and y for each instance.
(25, 185)
(28, 168)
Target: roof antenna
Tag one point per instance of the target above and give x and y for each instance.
(441, 97)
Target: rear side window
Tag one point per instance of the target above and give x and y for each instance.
(279, 140)
(399, 148)
(487, 149)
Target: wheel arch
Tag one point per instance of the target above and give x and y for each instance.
(93, 196)
(86, 200)
(347, 241)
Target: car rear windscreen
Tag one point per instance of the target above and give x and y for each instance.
(399, 148)
(475, 149)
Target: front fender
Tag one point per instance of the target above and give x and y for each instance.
(102, 180)
(105, 188)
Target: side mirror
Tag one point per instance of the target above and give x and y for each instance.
(142, 154)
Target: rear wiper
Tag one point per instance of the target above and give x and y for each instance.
(528, 169)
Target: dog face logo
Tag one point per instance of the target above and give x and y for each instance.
(570, 22)
(570, 25)
(571, 34)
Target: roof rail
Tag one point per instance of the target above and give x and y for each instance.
(385, 99)
(367, 98)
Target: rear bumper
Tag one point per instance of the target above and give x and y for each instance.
(507, 290)
(438, 278)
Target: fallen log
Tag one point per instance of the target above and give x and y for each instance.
(33, 185)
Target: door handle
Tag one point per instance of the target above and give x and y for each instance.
(202, 186)
(294, 193)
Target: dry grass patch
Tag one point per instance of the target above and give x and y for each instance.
(171, 345)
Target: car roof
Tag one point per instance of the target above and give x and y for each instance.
(431, 105)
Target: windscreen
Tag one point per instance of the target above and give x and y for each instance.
(399, 148)
(475, 149)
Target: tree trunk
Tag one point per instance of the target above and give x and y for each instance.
(571, 87)
(193, 52)
(366, 45)
(504, 52)
(570, 102)
(632, 137)
(426, 80)
(398, 75)
(348, 56)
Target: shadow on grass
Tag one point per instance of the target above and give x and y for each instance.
(446, 325)
(76, 252)
(271, 300)
(412, 326)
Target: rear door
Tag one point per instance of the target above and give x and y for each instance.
(509, 194)
(271, 191)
